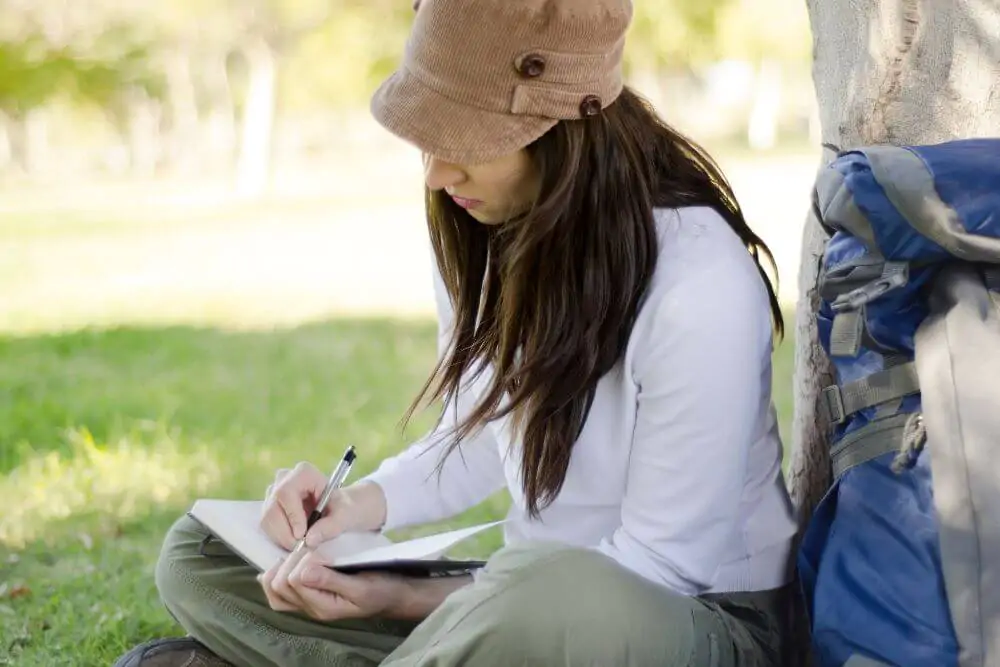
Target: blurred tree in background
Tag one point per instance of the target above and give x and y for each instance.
(775, 42)
(193, 84)
(675, 34)
(48, 55)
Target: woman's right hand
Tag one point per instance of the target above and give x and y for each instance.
(294, 494)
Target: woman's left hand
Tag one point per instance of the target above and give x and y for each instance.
(302, 582)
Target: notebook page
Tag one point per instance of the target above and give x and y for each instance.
(421, 548)
(237, 523)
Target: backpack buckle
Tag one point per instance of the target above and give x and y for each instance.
(832, 405)
(894, 275)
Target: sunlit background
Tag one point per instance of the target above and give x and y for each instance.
(213, 263)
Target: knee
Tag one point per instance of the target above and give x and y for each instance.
(587, 609)
(180, 564)
(562, 575)
(561, 592)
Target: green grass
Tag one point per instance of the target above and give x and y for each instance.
(106, 436)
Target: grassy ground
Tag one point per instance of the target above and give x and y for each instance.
(108, 433)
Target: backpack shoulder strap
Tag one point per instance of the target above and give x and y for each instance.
(958, 354)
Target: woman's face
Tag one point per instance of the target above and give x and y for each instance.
(492, 192)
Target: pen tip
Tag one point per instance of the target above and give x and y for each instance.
(350, 455)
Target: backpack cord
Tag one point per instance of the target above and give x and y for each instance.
(913, 441)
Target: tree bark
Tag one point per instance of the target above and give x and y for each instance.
(900, 72)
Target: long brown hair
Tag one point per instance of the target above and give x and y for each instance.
(547, 301)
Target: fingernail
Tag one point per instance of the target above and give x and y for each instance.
(260, 578)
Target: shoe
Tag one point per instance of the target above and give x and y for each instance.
(174, 652)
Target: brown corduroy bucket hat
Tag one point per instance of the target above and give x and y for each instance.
(484, 78)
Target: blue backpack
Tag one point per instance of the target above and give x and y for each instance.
(900, 562)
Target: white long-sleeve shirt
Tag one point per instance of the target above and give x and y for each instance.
(677, 472)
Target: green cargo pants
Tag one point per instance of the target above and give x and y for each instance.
(540, 605)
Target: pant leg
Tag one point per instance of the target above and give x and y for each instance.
(556, 606)
(218, 600)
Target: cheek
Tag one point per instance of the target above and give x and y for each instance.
(521, 187)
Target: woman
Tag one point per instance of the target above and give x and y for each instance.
(606, 342)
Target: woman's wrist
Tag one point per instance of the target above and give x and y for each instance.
(421, 597)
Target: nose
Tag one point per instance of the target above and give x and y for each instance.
(439, 174)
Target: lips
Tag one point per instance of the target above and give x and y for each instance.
(465, 202)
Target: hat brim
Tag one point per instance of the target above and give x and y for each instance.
(448, 130)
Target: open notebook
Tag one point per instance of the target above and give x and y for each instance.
(237, 524)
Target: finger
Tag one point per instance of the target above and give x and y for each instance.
(280, 584)
(293, 512)
(275, 601)
(325, 606)
(274, 523)
(322, 591)
(328, 527)
(272, 516)
(279, 475)
(312, 573)
(303, 482)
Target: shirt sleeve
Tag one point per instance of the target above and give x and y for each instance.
(702, 371)
(416, 491)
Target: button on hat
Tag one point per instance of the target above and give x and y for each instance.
(483, 78)
(532, 65)
(590, 106)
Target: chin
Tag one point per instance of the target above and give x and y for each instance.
(484, 217)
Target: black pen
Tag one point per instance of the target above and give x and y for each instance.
(335, 482)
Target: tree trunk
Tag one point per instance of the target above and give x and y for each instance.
(17, 142)
(887, 71)
(258, 119)
(28, 139)
(220, 119)
(183, 109)
(143, 134)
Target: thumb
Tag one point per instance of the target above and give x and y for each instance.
(326, 528)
